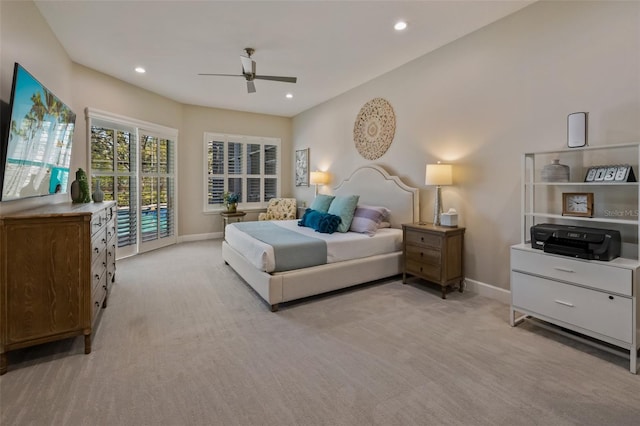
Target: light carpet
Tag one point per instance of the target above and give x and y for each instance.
(184, 341)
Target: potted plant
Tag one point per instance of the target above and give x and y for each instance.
(230, 200)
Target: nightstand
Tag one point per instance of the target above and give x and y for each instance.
(236, 216)
(434, 253)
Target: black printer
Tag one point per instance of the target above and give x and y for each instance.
(576, 241)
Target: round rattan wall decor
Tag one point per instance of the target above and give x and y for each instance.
(374, 128)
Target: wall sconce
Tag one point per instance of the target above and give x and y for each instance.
(318, 178)
(438, 175)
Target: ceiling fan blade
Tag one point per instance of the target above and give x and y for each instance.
(225, 75)
(251, 87)
(248, 65)
(276, 78)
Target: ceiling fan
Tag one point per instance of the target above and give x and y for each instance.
(249, 72)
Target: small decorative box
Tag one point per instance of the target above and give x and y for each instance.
(449, 218)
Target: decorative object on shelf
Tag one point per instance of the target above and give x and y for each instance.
(374, 128)
(438, 175)
(230, 200)
(555, 172)
(319, 178)
(610, 173)
(80, 192)
(98, 194)
(302, 167)
(577, 129)
(577, 204)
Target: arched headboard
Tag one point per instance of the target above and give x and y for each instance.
(376, 187)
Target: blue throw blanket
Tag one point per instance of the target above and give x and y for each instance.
(291, 249)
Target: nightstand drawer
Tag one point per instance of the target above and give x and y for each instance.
(428, 272)
(424, 254)
(609, 315)
(423, 239)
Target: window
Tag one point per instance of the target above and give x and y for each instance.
(246, 165)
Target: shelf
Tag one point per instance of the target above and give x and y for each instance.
(585, 219)
(631, 184)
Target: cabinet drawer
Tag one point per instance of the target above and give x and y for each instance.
(597, 275)
(423, 254)
(422, 239)
(428, 272)
(609, 315)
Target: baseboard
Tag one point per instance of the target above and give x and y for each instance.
(488, 290)
(199, 237)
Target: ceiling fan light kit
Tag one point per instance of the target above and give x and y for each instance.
(249, 72)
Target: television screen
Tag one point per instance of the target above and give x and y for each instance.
(37, 151)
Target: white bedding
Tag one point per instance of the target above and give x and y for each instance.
(340, 246)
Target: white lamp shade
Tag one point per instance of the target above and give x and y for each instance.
(319, 178)
(438, 174)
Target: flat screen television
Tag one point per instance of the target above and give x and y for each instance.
(36, 145)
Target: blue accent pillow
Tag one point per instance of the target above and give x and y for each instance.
(321, 203)
(344, 206)
(322, 222)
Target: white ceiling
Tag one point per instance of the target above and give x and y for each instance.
(331, 46)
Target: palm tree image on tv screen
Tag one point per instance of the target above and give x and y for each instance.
(38, 147)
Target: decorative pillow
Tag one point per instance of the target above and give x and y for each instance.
(345, 207)
(321, 203)
(367, 218)
(384, 224)
(322, 222)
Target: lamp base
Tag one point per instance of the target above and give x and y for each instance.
(437, 208)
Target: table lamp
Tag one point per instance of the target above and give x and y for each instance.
(318, 178)
(438, 175)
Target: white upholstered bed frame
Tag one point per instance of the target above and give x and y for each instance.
(375, 187)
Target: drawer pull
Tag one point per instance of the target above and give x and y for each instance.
(97, 250)
(564, 303)
(558, 268)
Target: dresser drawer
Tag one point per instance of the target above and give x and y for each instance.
(422, 239)
(98, 296)
(426, 271)
(98, 220)
(98, 247)
(423, 254)
(604, 313)
(599, 276)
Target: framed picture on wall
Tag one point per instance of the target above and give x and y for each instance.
(302, 167)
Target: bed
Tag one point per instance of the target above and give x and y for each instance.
(375, 187)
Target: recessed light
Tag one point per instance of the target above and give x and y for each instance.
(400, 25)
(289, 95)
(140, 70)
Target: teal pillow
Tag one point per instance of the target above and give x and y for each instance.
(321, 222)
(321, 203)
(345, 207)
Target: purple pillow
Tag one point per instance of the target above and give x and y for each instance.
(367, 218)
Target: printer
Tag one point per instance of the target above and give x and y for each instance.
(576, 241)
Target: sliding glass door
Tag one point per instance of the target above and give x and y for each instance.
(137, 168)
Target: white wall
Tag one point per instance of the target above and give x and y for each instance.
(27, 39)
(482, 101)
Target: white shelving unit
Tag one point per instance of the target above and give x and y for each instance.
(595, 298)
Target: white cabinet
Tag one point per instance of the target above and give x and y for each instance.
(598, 299)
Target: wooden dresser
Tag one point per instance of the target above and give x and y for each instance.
(57, 264)
(434, 253)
